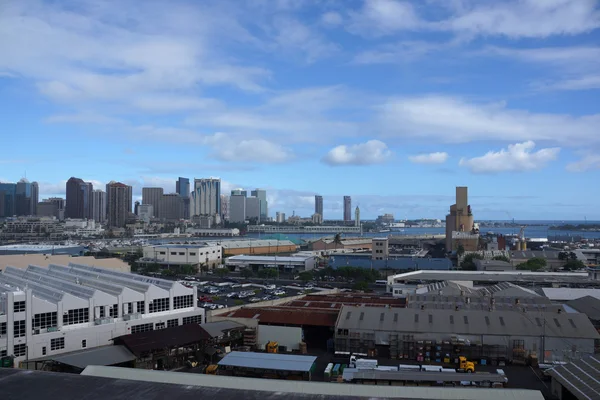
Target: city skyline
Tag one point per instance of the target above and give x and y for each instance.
(304, 98)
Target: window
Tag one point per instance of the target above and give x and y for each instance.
(114, 311)
(102, 312)
(78, 316)
(487, 320)
(194, 319)
(83, 344)
(20, 350)
(452, 319)
(192, 254)
(362, 316)
(181, 253)
(44, 350)
(173, 253)
(2, 328)
(183, 301)
(142, 328)
(3, 353)
(19, 327)
(466, 320)
(348, 315)
(45, 320)
(395, 317)
(141, 307)
(572, 323)
(57, 344)
(159, 325)
(501, 321)
(430, 319)
(416, 317)
(556, 323)
(381, 317)
(158, 305)
(19, 306)
(162, 253)
(172, 323)
(538, 322)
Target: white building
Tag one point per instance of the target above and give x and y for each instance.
(209, 254)
(206, 197)
(279, 217)
(60, 309)
(145, 212)
(83, 227)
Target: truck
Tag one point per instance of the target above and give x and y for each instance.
(465, 366)
(362, 363)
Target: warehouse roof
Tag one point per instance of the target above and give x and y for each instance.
(287, 316)
(502, 289)
(492, 276)
(105, 355)
(467, 322)
(580, 377)
(228, 387)
(587, 305)
(282, 362)
(24, 260)
(242, 244)
(527, 254)
(566, 294)
(143, 342)
(216, 329)
(270, 259)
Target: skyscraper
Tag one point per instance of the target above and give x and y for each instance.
(8, 192)
(26, 198)
(171, 207)
(357, 217)
(237, 206)
(99, 206)
(261, 194)
(347, 209)
(79, 199)
(253, 208)
(225, 207)
(182, 187)
(319, 205)
(206, 197)
(35, 197)
(120, 200)
(153, 197)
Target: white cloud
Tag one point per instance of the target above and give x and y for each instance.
(454, 120)
(431, 158)
(295, 38)
(82, 118)
(518, 157)
(383, 17)
(587, 162)
(371, 152)
(240, 149)
(331, 18)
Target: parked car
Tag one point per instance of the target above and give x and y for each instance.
(254, 299)
(270, 287)
(279, 292)
(232, 294)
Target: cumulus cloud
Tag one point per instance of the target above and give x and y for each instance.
(586, 163)
(371, 152)
(331, 18)
(431, 158)
(228, 147)
(518, 157)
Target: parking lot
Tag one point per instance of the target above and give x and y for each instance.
(214, 295)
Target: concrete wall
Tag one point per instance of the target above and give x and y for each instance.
(282, 248)
(284, 335)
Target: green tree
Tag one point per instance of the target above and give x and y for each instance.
(573, 265)
(306, 276)
(239, 302)
(267, 273)
(460, 250)
(153, 267)
(222, 272)
(169, 272)
(468, 262)
(533, 264)
(247, 273)
(337, 240)
(501, 258)
(362, 285)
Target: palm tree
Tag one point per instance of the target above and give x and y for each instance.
(337, 239)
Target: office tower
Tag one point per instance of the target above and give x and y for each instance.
(79, 199)
(237, 206)
(171, 207)
(347, 208)
(225, 207)
(206, 197)
(357, 217)
(136, 206)
(145, 212)
(47, 209)
(119, 202)
(8, 193)
(60, 206)
(279, 217)
(99, 206)
(27, 197)
(182, 187)
(253, 208)
(460, 218)
(319, 205)
(261, 194)
(153, 196)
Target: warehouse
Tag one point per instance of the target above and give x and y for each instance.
(427, 334)
(578, 379)
(295, 263)
(60, 309)
(174, 255)
(265, 246)
(267, 365)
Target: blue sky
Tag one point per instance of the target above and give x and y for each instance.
(392, 102)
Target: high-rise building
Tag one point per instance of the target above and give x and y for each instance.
(99, 206)
(60, 206)
(225, 207)
(319, 205)
(261, 194)
(153, 196)
(47, 209)
(145, 212)
(27, 197)
(206, 197)
(79, 199)
(237, 206)
(8, 193)
(253, 208)
(460, 218)
(347, 208)
(279, 217)
(357, 217)
(171, 207)
(182, 187)
(119, 202)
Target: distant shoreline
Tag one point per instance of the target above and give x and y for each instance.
(579, 227)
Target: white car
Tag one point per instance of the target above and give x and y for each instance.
(279, 293)
(254, 300)
(230, 295)
(270, 287)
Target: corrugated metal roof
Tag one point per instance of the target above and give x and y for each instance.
(319, 390)
(587, 305)
(282, 362)
(242, 244)
(216, 329)
(493, 276)
(566, 294)
(106, 355)
(467, 322)
(580, 377)
(143, 342)
(270, 259)
(287, 316)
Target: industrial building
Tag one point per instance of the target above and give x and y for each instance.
(48, 249)
(260, 246)
(294, 263)
(198, 255)
(271, 365)
(365, 260)
(60, 309)
(428, 334)
(346, 243)
(579, 379)
(23, 261)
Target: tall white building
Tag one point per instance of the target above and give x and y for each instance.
(261, 194)
(225, 207)
(279, 217)
(99, 206)
(60, 309)
(206, 197)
